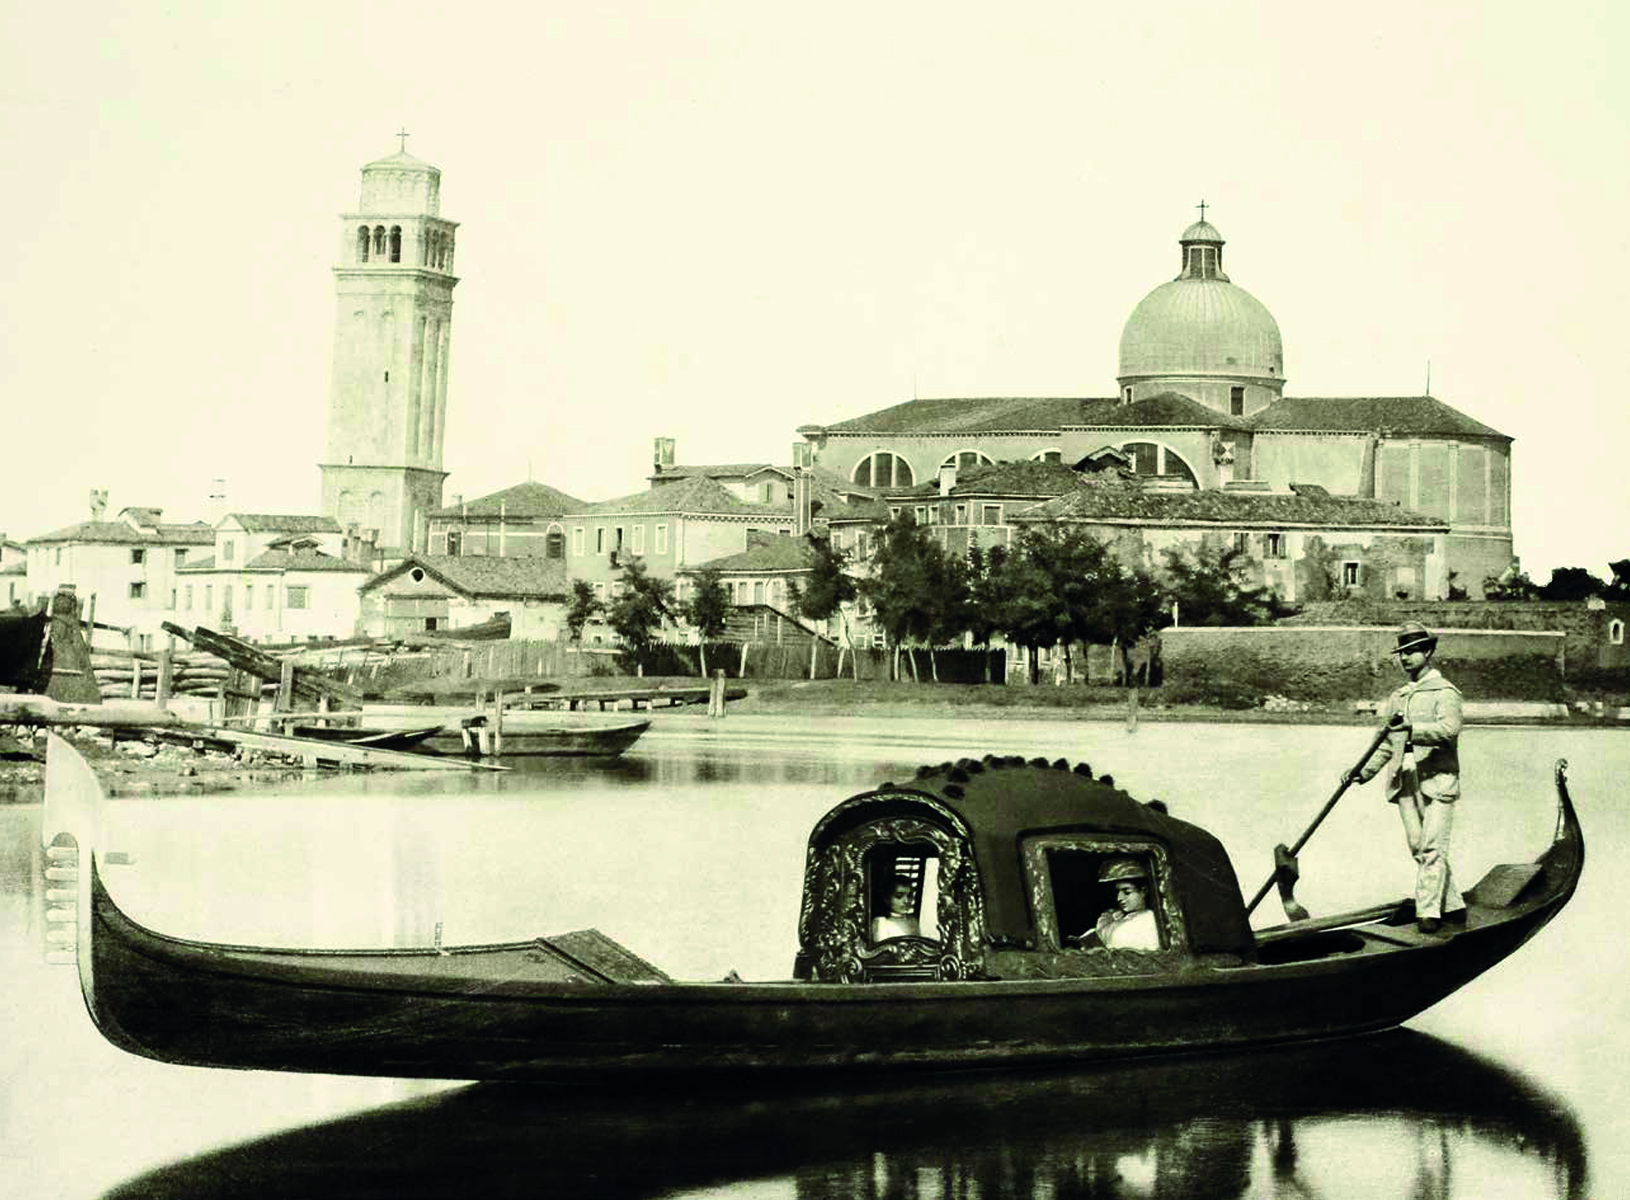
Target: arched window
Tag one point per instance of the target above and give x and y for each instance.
(1615, 632)
(1047, 456)
(362, 244)
(396, 243)
(883, 469)
(379, 241)
(963, 459)
(1151, 458)
(554, 542)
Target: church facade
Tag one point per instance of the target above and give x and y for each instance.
(1201, 407)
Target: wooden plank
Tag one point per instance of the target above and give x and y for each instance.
(313, 750)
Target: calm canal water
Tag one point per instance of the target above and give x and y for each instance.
(689, 850)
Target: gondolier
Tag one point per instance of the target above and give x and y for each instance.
(1423, 722)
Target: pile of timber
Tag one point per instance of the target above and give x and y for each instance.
(194, 673)
(302, 682)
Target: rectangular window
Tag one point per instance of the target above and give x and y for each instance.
(271, 595)
(1274, 546)
(249, 595)
(662, 539)
(1126, 395)
(186, 596)
(1242, 542)
(990, 514)
(639, 539)
(894, 511)
(209, 597)
(758, 592)
(455, 542)
(138, 557)
(1349, 574)
(138, 590)
(921, 514)
(600, 591)
(599, 539)
(172, 599)
(962, 514)
(1236, 401)
(577, 541)
(180, 557)
(59, 556)
(229, 549)
(297, 597)
(863, 544)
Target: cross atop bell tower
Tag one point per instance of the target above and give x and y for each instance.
(382, 469)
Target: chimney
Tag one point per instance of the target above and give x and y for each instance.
(947, 478)
(216, 508)
(803, 512)
(99, 503)
(663, 455)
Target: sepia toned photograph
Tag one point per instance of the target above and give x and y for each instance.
(906, 602)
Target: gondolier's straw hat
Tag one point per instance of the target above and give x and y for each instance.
(1415, 636)
(1117, 869)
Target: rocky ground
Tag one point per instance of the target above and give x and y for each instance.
(134, 767)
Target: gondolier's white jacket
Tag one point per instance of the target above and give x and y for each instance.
(1430, 751)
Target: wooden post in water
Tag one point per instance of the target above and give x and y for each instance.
(498, 725)
(715, 698)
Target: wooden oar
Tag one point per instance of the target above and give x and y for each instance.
(1280, 859)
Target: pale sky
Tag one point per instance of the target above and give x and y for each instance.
(720, 221)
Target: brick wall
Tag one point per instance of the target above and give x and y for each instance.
(1339, 663)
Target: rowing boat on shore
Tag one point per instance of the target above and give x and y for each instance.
(1001, 858)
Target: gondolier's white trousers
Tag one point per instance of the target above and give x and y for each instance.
(1427, 824)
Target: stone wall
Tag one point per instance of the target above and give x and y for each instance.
(1332, 664)
(1589, 625)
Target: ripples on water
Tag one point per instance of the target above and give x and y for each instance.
(690, 851)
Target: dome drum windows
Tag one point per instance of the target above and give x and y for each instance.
(962, 460)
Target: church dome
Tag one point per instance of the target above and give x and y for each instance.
(1201, 323)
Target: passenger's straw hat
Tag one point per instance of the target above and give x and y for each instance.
(1117, 869)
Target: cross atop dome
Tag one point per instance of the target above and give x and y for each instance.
(1201, 206)
(404, 135)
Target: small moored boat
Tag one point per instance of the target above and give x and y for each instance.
(1002, 861)
(362, 735)
(524, 732)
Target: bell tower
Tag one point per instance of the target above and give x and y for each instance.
(387, 409)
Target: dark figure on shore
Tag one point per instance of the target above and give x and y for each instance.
(1423, 722)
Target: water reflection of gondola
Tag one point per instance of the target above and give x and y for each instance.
(1218, 1126)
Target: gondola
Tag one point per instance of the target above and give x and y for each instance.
(998, 851)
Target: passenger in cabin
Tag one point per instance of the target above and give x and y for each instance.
(1130, 924)
(901, 920)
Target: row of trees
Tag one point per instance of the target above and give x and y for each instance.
(1567, 583)
(1055, 585)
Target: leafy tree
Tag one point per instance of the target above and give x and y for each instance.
(983, 573)
(585, 606)
(1210, 587)
(641, 607)
(1572, 583)
(707, 609)
(908, 567)
(826, 590)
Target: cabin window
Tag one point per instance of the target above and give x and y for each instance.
(1078, 880)
(902, 890)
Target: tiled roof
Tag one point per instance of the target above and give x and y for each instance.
(275, 523)
(301, 560)
(1127, 502)
(119, 533)
(1001, 414)
(523, 500)
(1165, 410)
(485, 575)
(719, 471)
(196, 564)
(1025, 478)
(142, 515)
(1392, 415)
(857, 510)
(775, 554)
(698, 495)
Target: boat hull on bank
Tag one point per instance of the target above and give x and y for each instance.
(526, 1010)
